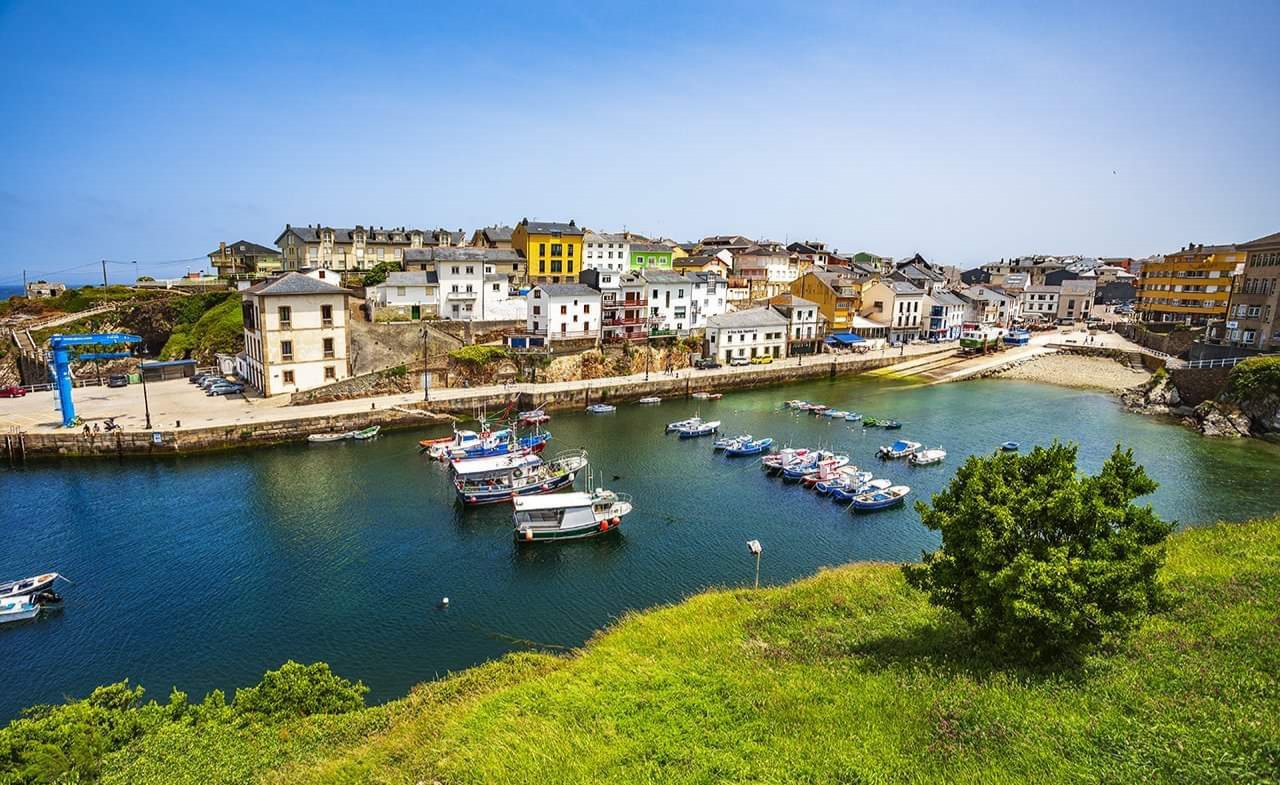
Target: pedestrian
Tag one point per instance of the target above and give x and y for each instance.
(87, 430)
(96, 429)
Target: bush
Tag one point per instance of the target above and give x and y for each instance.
(298, 690)
(378, 273)
(1256, 377)
(1040, 560)
(479, 355)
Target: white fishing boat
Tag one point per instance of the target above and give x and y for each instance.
(707, 396)
(879, 499)
(783, 459)
(686, 423)
(326, 438)
(602, 408)
(725, 442)
(33, 585)
(502, 478)
(899, 449)
(18, 607)
(649, 400)
(569, 516)
(926, 457)
(701, 429)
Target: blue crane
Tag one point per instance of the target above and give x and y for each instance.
(62, 345)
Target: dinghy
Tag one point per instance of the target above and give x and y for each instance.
(327, 438)
(534, 417)
(1010, 446)
(367, 433)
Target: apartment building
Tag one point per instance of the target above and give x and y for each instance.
(838, 293)
(607, 251)
(245, 259)
(503, 261)
(356, 249)
(552, 250)
(804, 323)
(742, 335)
(624, 308)
(412, 294)
(897, 305)
(492, 237)
(564, 311)
(650, 256)
(1253, 317)
(1040, 303)
(295, 334)
(1191, 286)
(710, 297)
(946, 315)
(670, 301)
(1075, 300)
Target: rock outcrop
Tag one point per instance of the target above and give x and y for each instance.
(1214, 418)
(1158, 396)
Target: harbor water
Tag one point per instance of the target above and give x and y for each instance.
(203, 572)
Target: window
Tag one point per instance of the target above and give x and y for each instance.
(329, 373)
(542, 249)
(564, 309)
(556, 265)
(542, 266)
(313, 252)
(586, 307)
(286, 350)
(454, 269)
(399, 291)
(326, 311)
(286, 315)
(328, 348)
(288, 377)
(537, 309)
(570, 250)
(557, 249)
(471, 269)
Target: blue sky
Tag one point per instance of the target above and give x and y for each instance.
(967, 132)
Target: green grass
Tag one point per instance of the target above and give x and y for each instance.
(846, 677)
(220, 328)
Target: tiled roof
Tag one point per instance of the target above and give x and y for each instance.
(461, 254)
(943, 297)
(752, 317)
(551, 227)
(293, 283)
(568, 290)
(1261, 242)
(412, 278)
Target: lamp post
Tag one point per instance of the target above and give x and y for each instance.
(753, 546)
(146, 405)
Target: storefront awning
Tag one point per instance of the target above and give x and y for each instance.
(844, 339)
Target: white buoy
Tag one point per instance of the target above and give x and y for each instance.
(444, 603)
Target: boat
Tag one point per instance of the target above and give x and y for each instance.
(497, 443)
(852, 416)
(19, 607)
(818, 408)
(679, 424)
(847, 492)
(446, 446)
(899, 449)
(366, 433)
(650, 400)
(701, 429)
(879, 499)
(847, 476)
(326, 438)
(1010, 446)
(974, 335)
(602, 408)
(780, 460)
(502, 478)
(534, 417)
(725, 442)
(750, 447)
(794, 403)
(569, 516)
(826, 469)
(33, 585)
(808, 464)
(890, 425)
(926, 457)
(1017, 337)
(707, 396)
(835, 413)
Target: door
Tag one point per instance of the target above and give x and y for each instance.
(416, 312)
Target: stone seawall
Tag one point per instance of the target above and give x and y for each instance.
(20, 447)
(1197, 385)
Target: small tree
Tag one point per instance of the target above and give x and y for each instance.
(298, 690)
(378, 273)
(1040, 560)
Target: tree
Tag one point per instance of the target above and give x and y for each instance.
(379, 272)
(298, 690)
(1042, 561)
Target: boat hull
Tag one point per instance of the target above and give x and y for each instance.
(28, 586)
(531, 536)
(505, 493)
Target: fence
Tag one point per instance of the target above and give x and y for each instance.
(1224, 362)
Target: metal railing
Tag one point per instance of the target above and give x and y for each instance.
(1222, 362)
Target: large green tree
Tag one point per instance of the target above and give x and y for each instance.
(1039, 559)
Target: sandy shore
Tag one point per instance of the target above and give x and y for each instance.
(1069, 370)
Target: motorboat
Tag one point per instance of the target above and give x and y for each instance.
(1010, 446)
(725, 442)
(447, 447)
(809, 463)
(19, 607)
(775, 463)
(818, 408)
(845, 476)
(366, 433)
(825, 470)
(327, 438)
(926, 457)
(707, 396)
(534, 417)
(700, 429)
(497, 443)
(879, 499)
(852, 416)
(750, 447)
(679, 424)
(899, 449)
(1017, 337)
(835, 414)
(569, 516)
(846, 493)
(503, 478)
(602, 408)
(890, 425)
(33, 585)
(650, 399)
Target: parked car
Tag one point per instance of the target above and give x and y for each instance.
(705, 363)
(117, 380)
(738, 361)
(200, 377)
(225, 389)
(12, 391)
(763, 359)
(212, 380)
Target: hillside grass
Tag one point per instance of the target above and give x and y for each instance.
(846, 677)
(218, 329)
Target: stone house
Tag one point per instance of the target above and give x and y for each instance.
(295, 334)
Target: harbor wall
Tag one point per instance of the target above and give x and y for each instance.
(20, 447)
(1197, 385)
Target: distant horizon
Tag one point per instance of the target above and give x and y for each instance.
(964, 134)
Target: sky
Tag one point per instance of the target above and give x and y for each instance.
(967, 132)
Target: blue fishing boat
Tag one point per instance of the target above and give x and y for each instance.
(879, 500)
(725, 442)
(750, 447)
(504, 443)
(846, 493)
(501, 478)
(1017, 337)
(694, 430)
(850, 477)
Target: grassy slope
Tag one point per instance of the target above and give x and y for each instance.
(844, 677)
(219, 329)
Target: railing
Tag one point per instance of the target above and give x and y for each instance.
(626, 303)
(614, 322)
(1224, 362)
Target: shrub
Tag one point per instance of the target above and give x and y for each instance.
(479, 354)
(378, 273)
(297, 690)
(1254, 378)
(1040, 560)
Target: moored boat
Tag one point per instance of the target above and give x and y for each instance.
(806, 465)
(826, 469)
(28, 586)
(367, 433)
(879, 499)
(890, 425)
(899, 449)
(835, 414)
(505, 477)
(326, 438)
(707, 396)
(852, 416)
(693, 431)
(846, 493)
(1009, 446)
(650, 399)
(601, 408)
(780, 460)
(569, 516)
(18, 607)
(750, 447)
(926, 457)
(534, 417)
(846, 477)
(794, 403)
(678, 424)
(725, 442)
(818, 408)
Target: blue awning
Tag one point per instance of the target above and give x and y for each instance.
(845, 339)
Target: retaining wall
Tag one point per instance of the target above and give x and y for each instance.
(1197, 385)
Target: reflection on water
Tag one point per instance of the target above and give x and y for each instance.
(204, 572)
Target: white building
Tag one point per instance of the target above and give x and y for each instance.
(946, 315)
(1007, 306)
(804, 322)
(1076, 300)
(897, 305)
(1040, 303)
(742, 335)
(413, 294)
(670, 297)
(606, 251)
(497, 303)
(710, 297)
(295, 334)
(564, 311)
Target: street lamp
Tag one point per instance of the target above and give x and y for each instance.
(753, 546)
(146, 405)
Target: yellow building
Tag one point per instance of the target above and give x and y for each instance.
(553, 250)
(838, 294)
(1192, 285)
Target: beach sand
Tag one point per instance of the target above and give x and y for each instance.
(1069, 370)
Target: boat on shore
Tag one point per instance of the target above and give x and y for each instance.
(879, 499)
(505, 477)
(649, 400)
(927, 457)
(28, 586)
(700, 429)
(750, 447)
(1017, 337)
(602, 408)
(569, 516)
(899, 449)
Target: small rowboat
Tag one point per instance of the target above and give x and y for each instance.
(750, 447)
(899, 449)
(926, 457)
(1009, 446)
(879, 500)
(602, 408)
(650, 400)
(367, 433)
(327, 438)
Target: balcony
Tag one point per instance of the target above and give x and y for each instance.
(461, 295)
(616, 321)
(635, 303)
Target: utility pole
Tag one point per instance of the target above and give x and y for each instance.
(104, 273)
(24, 283)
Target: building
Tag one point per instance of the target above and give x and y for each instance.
(503, 261)
(650, 256)
(243, 258)
(43, 288)
(881, 264)
(810, 254)
(492, 237)
(1191, 286)
(1075, 301)
(710, 297)
(1007, 308)
(804, 323)
(564, 312)
(624, 314)
(742, 335)
(1034, 267)
(603, 251)
(1116, 292)
(978, 309)
(1040, 303)
(920, 274)
(670, 297)
(295, 334)
(413, 294)
(552, 251)
(357, 249)
(1253, 317)
(720, 263)
(838, 293)
(974, 276)
(946, 315)
(899, 305)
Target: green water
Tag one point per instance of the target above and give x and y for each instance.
(205, 571)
